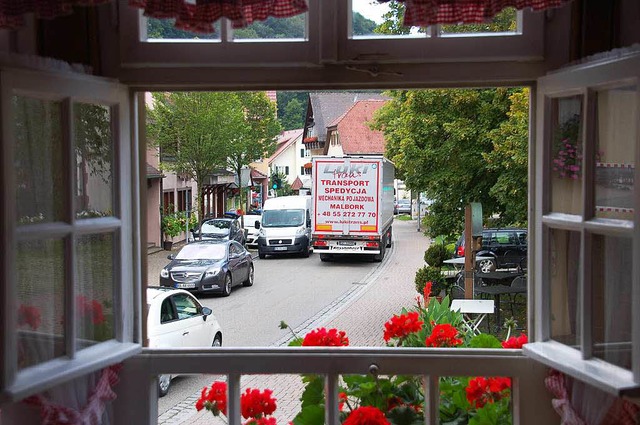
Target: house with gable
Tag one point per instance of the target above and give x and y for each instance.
(291, 158)
(350, 134)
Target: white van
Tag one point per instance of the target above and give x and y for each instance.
(285, 226)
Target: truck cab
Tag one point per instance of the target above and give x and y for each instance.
(285, 226)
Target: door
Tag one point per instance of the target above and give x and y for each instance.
(192, 327)
(234, 262)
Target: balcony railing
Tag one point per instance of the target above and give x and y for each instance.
(137, 400)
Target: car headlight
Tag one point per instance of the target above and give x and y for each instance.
(164, 273)
(212, 272)
(301, 231)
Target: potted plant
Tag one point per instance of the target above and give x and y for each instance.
(170, 229)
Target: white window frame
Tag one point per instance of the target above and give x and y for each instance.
(69, 88)
(581, 79)
(328, 47)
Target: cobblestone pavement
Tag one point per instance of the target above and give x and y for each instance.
(361, 313)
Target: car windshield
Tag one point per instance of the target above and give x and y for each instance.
(202, 252)
(404, 202)
(216, 226)
(282, 218)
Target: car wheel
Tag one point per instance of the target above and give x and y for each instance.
(305, 252)
(249, 281)
(217, 341)
(227, 285)
(164, 382)
(262, 255)
(486, 266)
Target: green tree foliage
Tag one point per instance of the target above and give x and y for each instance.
(294, 114)
(164, 29)
(273, 28)
(438, 140)
(284, 111)
(281, 178)
(505, 21)
(509, 158)
(362, 25)
(393, 20)
(201, 132)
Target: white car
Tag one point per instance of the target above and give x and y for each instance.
(252, 231)
(177, 319)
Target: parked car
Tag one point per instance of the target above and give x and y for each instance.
(176, 318)
(252, 232)
(402, 206)
(209, 267)
(506, 248)
(224, 228)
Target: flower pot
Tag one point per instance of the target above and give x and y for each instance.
(167, 245)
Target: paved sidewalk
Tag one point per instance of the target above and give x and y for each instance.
(361, 313)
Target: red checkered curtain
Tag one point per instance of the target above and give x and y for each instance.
(12, 11)
(430, 12)
(197, 16)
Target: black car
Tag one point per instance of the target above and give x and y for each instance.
(209, 267)
(506, 248)
(224, 229)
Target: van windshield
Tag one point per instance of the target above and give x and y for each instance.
(282, 218)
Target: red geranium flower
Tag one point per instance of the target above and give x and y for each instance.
(427, 290)
(215, 400)
(261, 421)
(401, 326)
(29, 315)
(323, 338)
(343, 399)
(443, 335)
(255, 403)
(515, 342)
(366, 415)
(481, 390)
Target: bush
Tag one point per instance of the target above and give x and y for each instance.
(435, 255)
(451, 247)
(433, 275)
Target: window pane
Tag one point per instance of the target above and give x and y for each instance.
(564, 264)
(94, 160)
(566, 155)
(371, 19)
(504, 22)
(612, 272)
(615, 152)
(293, 28)
(38, 160)
(40, 301)
(163, 29)
(94, 289)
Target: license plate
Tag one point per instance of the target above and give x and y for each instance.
(280, 248)
(345, 248)
(185, 285)
(347, 243)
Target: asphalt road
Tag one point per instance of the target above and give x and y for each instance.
(286, 288)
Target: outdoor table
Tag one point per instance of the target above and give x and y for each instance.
(496, 291)
(468, 307)
(498, 278)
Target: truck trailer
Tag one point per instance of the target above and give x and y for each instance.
(353, 200)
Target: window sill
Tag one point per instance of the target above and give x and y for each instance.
(598, 373)
(39, 378)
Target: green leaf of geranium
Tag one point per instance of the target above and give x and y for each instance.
(310, 415)
(313, 392)
(404, 415)
(485, 341)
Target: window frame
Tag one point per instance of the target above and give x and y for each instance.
(585, 79)
(71, 88)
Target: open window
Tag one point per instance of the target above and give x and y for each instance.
(69, 291)
(586, 280)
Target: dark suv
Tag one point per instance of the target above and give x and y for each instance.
(506, 248)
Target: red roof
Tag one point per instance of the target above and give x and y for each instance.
(353, 127)
(297, 184)
(286, 139)
(257, 175)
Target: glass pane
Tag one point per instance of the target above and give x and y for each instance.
(274, 28)
(94, 289)
(164, 30)
(94, 160)
(504, 22)
(38, 160)
(373, 19)
(612, 295)
(615, 152)
(40, 301)
(566, 155)
(564, 264)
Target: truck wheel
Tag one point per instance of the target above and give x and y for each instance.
(379, 257)
(389, 237)
(325, 257)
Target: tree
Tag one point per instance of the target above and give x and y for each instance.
(293, 115)
(194, 130)
(438, 139)
(278, 183)
(256, 137)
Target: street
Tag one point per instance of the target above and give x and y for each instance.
(307, 293)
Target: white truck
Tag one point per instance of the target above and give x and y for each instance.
(353, 201)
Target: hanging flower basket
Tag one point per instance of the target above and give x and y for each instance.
(310, 139)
